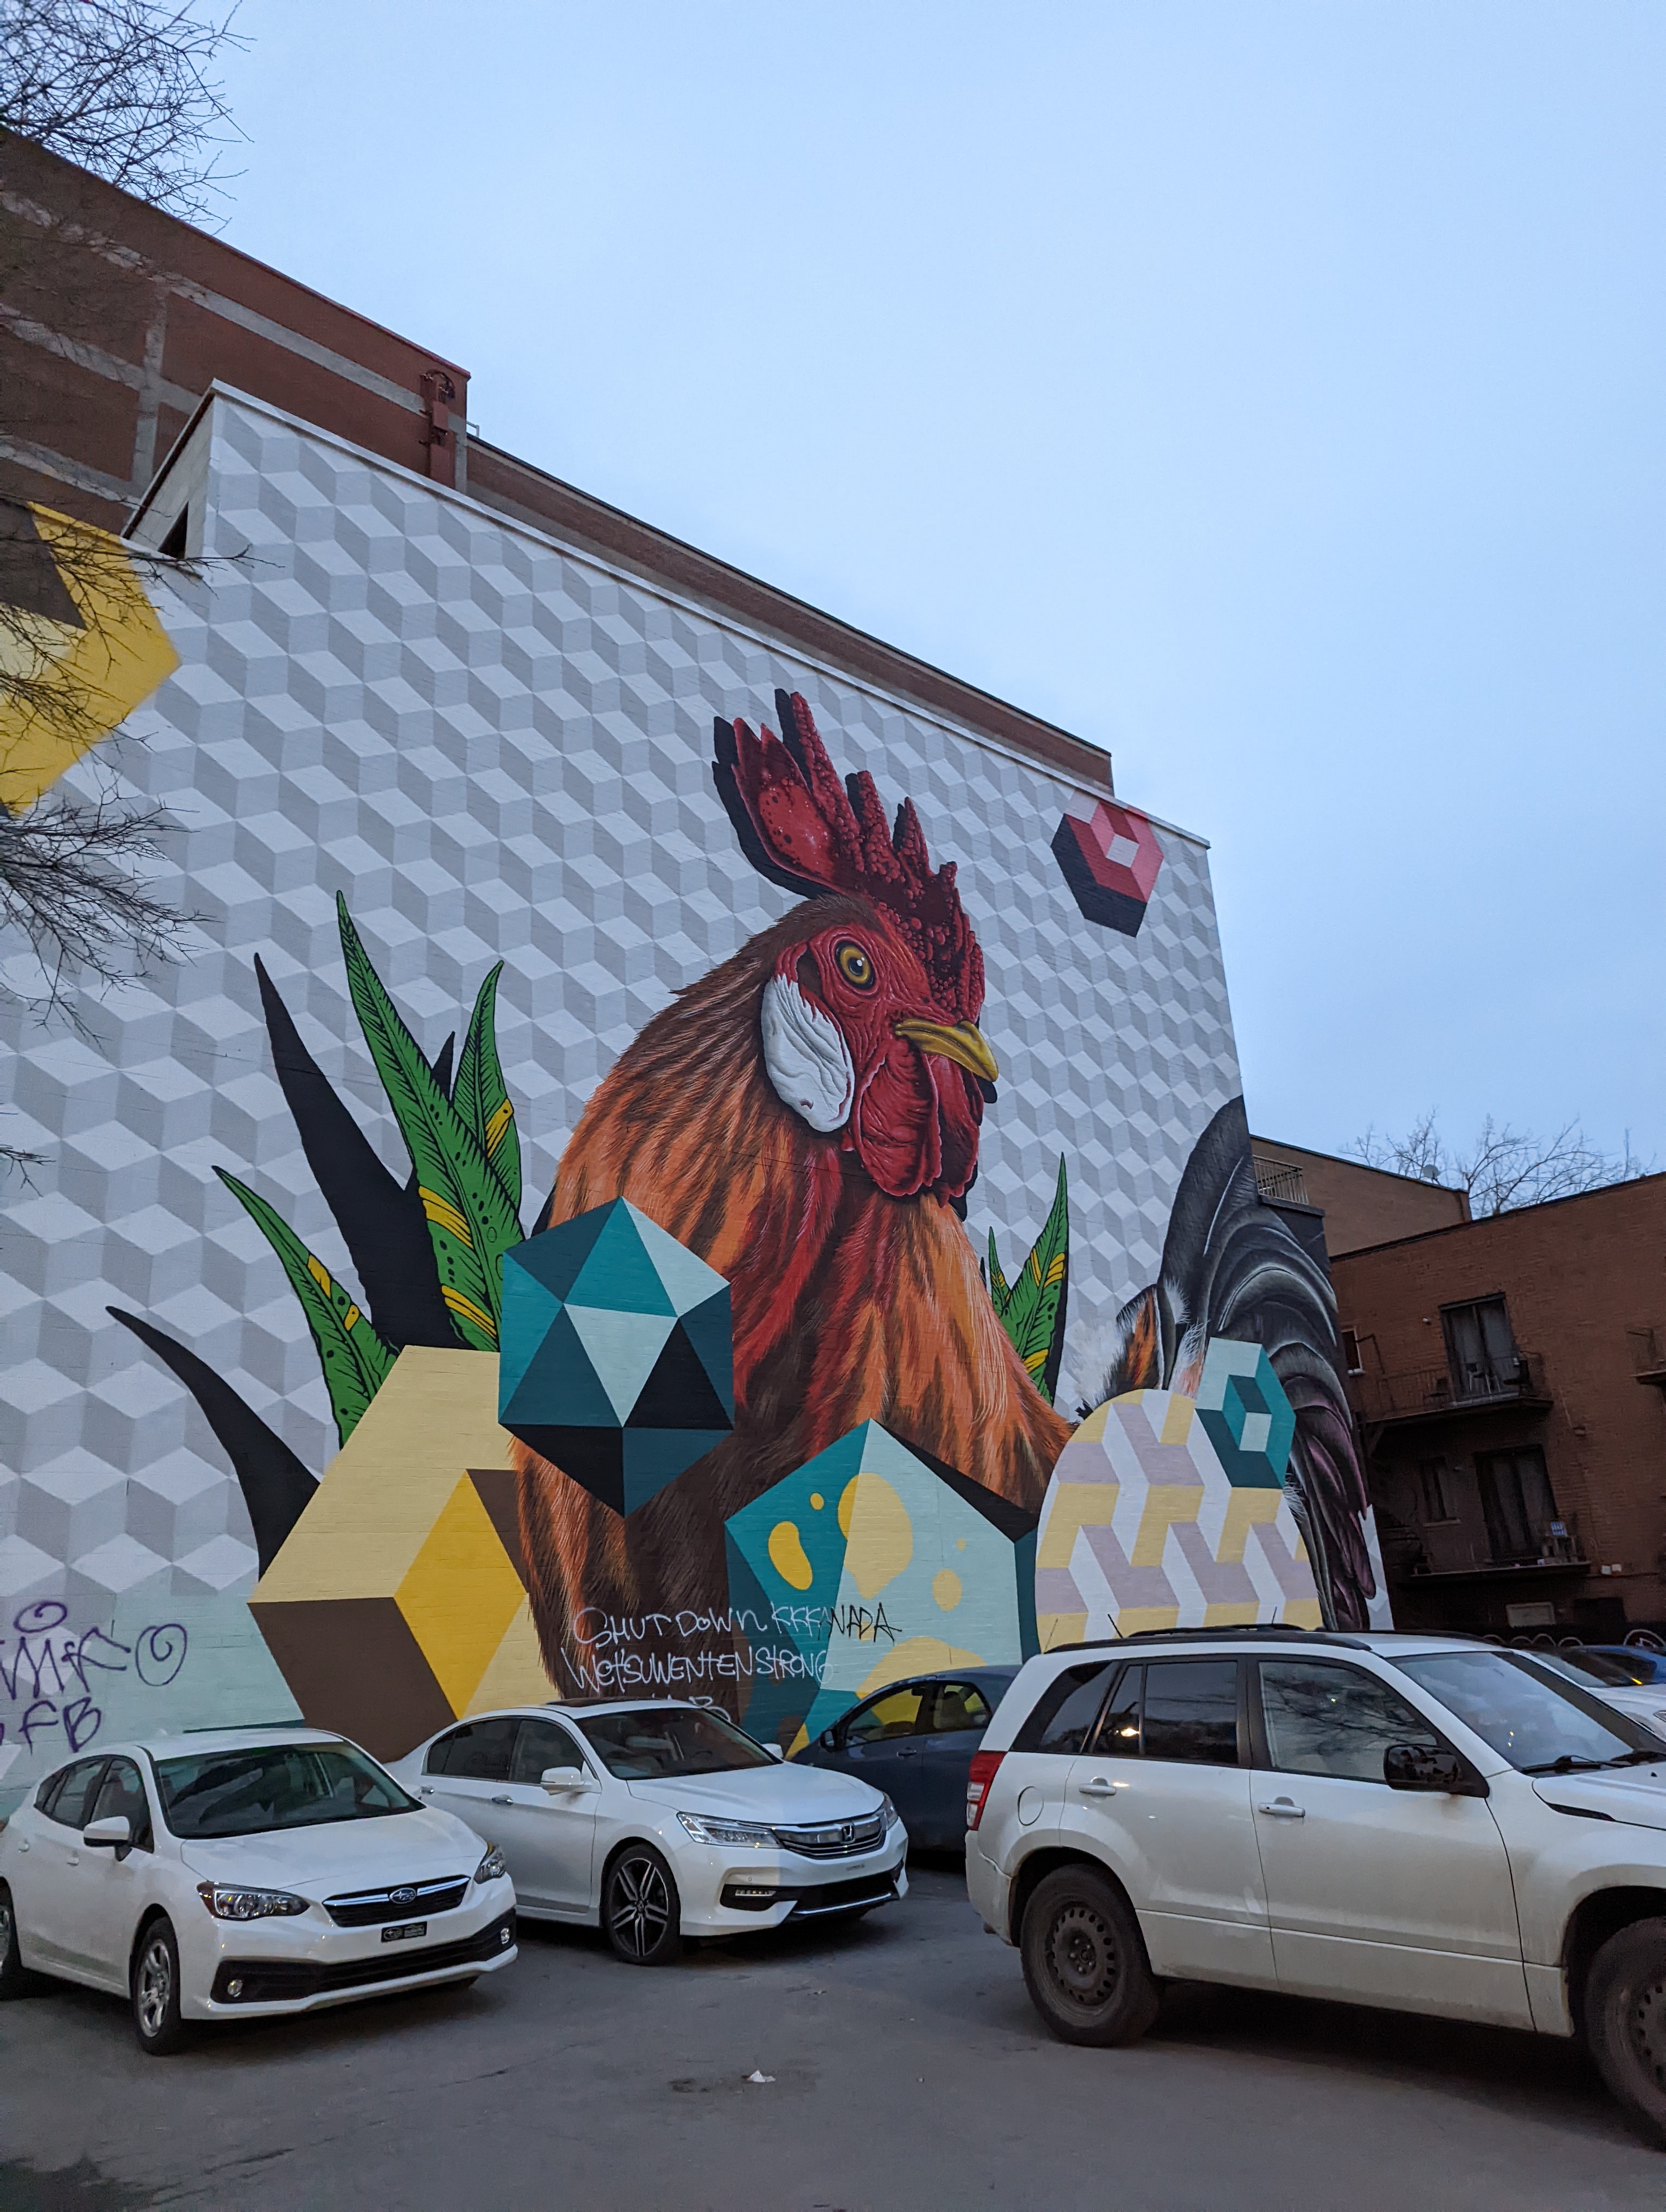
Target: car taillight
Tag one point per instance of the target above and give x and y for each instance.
(985, 1767)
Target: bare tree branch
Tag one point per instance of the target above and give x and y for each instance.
(124, 89)
(1503, 1168)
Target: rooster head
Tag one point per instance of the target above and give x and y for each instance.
(868, 1024)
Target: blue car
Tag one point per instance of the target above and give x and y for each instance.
(1647, 1669)
(915, 1741)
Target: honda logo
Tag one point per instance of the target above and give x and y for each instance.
(846, 1832)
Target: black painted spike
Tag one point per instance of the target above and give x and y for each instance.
(275, 1486)
(380, 1219)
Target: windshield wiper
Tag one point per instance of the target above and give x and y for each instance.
(1569, 1763)
(1636, 1759)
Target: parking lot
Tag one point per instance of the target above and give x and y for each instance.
(909, 2072)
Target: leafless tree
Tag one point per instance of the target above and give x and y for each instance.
(124, 89)
(1502, 1168)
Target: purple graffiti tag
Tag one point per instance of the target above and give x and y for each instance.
(30, 1722)
(40, 1618)
(80, 1721)
(160, 1654)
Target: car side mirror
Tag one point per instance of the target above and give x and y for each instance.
(828, 1740)
(108, 1834)
(775, 1750)
(1414, 1766)
(560, 1781)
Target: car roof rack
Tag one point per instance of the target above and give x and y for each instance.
(1327, 1636)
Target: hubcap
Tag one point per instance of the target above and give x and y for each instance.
(156, 1986)
(1082, 1956)
(5, 1929)
(642, 1906)
(1648, 2024)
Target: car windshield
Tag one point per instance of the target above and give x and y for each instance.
(639, 1746)
(279, 1785)
(1530, 1717)
(1587, 1667)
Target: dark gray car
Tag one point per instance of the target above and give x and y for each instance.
(915, 1741)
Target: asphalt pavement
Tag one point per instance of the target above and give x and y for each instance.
(905, 2073)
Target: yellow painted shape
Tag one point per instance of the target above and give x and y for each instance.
(1075, 1505)
(1231, 1613)
(433, 1417)
(1165, 1504)
(960, 1543)
(1178, 1421)
(1056, 1628)
(916, 1655)
(515, 1673)
(945, 1588)
(1135, 1620)
(817, 1500)
(878, 1533)
(1247, 1508)
(459, 1594)
(1092, 1429)
(91, 677)
(787, 1556)
(1303, 1613)
(799, 1741)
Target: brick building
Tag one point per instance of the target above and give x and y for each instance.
(1511, 1387)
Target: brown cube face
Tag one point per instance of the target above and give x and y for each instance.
(352, 1663)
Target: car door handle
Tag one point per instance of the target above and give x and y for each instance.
(503, 1800)
(1283, 1808)
(1099, 1787)
(428, 1789)
(908, 1750)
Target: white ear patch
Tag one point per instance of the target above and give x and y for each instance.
(805, 1057)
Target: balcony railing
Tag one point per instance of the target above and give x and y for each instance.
(1412, 1553)
(1281, 1185)
(1425, 1393)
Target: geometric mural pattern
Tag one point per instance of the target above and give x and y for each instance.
(1110, 856)
(1242, 1406)
(616, 1361)
(1143, 1528)
(875, 1566)
(498, 747)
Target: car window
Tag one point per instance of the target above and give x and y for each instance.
(1587, 1667)
(669, 1739)
(281, 1785)
(479, 1751)
(888, 1718)
(1067, 1709)
(1322, 1718)
(69, 1803)
(541, 1745)
(1191, 1711)
(121, 1796)
(1537, 1721)
(958, 1705)
(1118, 1733)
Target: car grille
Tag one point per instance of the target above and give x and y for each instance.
(810, 1902)
(277, 1981)
(839, 1840)
(411, 1900)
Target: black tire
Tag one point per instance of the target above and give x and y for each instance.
(1085, 1959)
(1624, 2021)
(641, 1912)
(154, 1985)
(15, 1979)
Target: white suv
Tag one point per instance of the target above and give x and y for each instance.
(1424, 1822)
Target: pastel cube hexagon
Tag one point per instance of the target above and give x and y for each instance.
(617, 1358)
(1241, 1404)
(1111, 860)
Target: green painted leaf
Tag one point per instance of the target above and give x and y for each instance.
(354, 1360)
(482, 1096)
(470, 1217)
(1032, 1309)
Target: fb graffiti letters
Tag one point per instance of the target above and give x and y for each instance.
(50, 1672)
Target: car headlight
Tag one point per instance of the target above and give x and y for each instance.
(889, 1812)
(706, 1831)
(491, 1867)
(226, 1902)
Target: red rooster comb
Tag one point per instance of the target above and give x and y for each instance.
(798, 826)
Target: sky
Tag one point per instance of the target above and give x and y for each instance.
(1270, 390)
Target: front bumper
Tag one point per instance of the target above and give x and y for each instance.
(727, 1893)
(281, 1966)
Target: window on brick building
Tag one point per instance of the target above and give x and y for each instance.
(1351, 1359)
(1481, 1348)
(1516, 1499)
(1434, 1485)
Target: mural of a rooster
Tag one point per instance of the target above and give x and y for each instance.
(806, 1118)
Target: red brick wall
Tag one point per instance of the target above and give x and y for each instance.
(1585, 1282)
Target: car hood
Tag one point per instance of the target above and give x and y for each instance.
(1635, 1795)
(340, 1855)
(789, 1796)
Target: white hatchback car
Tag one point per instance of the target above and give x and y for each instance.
(245, 1872)
(656, 1819)
(1427, 1823)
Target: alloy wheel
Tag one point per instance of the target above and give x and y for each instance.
(156, 1987)
(640, 1906)
(1081, 1955)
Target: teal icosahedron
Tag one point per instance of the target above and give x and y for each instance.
(1245, 1414)
(615, 1355)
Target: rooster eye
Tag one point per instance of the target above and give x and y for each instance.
(854, 964)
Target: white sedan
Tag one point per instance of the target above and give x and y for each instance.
(247, 1872)
(655, 1818)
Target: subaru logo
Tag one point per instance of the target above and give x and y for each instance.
(402, 1897)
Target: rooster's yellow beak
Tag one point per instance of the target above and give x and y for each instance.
(963, 1044)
